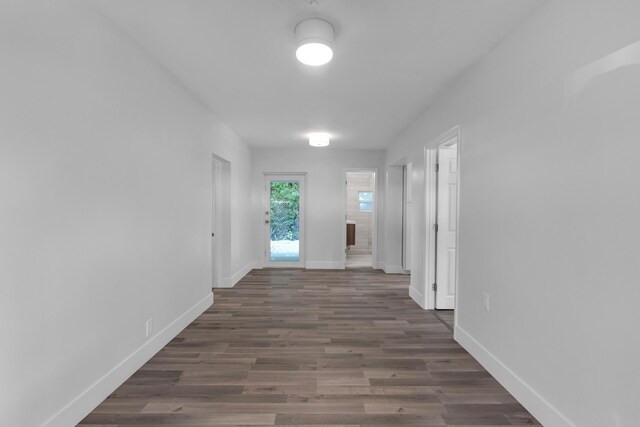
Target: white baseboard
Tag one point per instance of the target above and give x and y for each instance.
(324, 265)
(395, 269)
(83, 404)
(417, 296)
(540, 408)
(392, 269)
(230, 282)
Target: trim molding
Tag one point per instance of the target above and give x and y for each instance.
(230, 282)
(325, 265)
(417, 296)
(84, 403)
(392, 269)
(539, 407)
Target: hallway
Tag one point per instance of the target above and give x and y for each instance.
(312, 347)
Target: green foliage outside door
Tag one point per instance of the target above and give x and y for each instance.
(285, 210)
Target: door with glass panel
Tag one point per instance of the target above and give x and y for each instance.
(284, 220)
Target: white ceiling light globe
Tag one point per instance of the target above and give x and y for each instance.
(315, 37)
(319, 139)
(314, 54)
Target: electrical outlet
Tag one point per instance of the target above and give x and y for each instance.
(149, 329)
(485, 301)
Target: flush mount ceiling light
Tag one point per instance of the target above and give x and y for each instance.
(319, 139)
(315, 38)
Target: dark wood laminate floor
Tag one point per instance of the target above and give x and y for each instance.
(312, 348)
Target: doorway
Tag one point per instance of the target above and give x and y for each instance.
(284, 220)
(360, 208)
(444, 189)
(220, 222)
(215, 222)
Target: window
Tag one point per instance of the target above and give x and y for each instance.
(365, 201)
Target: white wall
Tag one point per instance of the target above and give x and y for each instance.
(105, 214)
(549, 209)
(325, 168)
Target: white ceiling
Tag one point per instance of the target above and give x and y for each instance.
(391, 59)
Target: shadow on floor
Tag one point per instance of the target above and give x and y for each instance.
(445, 316)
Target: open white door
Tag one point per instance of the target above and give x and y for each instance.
(447, 214)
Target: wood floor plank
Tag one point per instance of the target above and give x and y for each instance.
(312, 348)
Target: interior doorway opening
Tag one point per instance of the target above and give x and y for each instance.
(360, 217)
(215, 223)
(220, 221)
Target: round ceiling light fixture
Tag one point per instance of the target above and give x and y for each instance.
(315, 38)
(319, 139)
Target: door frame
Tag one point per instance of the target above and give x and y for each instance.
(302, 225)
(374, 231)
(431, 214)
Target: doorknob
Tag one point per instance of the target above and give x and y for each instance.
(266, 221)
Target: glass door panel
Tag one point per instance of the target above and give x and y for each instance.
(284, 220)
(284, 209)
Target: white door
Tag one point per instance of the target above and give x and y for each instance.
(284, 220)
(447, 214)
(406, 217)
(215, 206)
